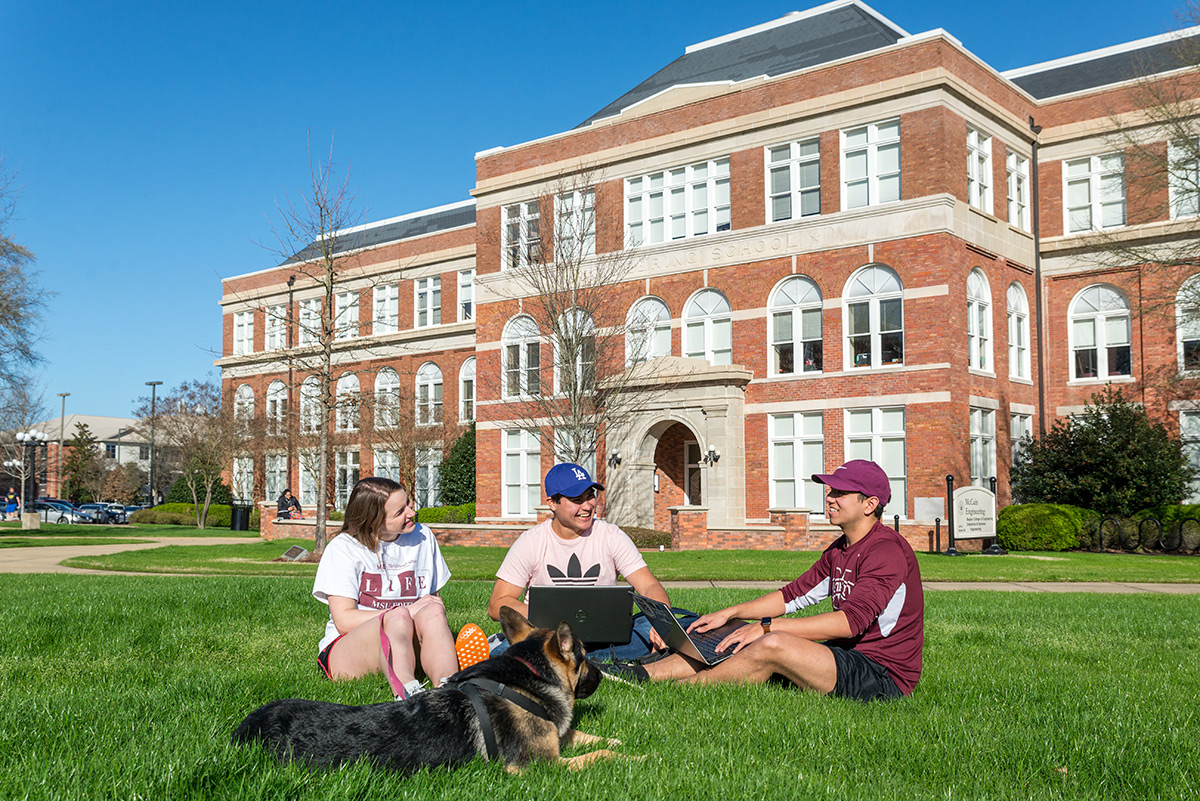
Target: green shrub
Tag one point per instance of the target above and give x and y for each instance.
(648, 537)
(184, 514)
(1040, 527)
(464, 513)
(179, 493)
(458, 470)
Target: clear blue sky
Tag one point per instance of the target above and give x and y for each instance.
(152, 139)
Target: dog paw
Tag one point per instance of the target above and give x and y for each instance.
(613, 742)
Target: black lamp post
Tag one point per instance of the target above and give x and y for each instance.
(30, 441)
(153, 385)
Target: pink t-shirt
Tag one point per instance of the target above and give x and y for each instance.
(540, 557)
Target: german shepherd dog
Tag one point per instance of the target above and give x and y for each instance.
(527, 696)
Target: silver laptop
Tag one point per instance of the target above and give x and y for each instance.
(701, 646)
(598, 615)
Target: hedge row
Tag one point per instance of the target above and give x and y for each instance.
(184, 514)
(1044, 526)
(448, 514)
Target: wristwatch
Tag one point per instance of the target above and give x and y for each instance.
(766, 624)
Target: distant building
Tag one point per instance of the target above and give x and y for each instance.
(117, 439)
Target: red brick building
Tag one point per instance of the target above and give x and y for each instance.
(843, 241)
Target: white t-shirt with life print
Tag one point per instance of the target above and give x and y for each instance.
(397, 574)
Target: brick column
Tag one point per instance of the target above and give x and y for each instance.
(689, 528)
(794, 522)
(268, 513)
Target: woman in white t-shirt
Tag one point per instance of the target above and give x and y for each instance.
(381, 580)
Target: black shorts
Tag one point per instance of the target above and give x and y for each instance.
(861, 678)
(323, 657)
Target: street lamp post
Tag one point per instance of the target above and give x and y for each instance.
(62, 423)
(153, 385)
(287, 421)
(30, 441)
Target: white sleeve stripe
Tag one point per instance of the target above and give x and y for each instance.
(814, 596)
(891, 614)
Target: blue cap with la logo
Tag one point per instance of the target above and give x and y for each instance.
(570, 480)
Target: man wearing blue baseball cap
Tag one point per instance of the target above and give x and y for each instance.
(574, 548)
(868, 646)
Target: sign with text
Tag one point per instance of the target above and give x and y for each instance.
(974, 513)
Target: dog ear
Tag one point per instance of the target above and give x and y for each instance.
(514, 625)
(566, 640)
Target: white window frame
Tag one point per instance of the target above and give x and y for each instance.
(466, 392)
(520, 468)
(796, 443)
(647, 330)
(1187, 325)
(1102, 180)
(274, 475)
(575, 226)
(521, 234)
(793, 180)
(386, 319)
(680, 203)
(1100, 317)
(346, 323)
(429, 394)
(794, 306)
(387, 465)
(466, 295)
(243, 333)
(877, 442)
(276, 408)
(575, 329)
(243, 403)
(387, 398)
(346, 471)
(1017, 167)
(564, 449)
(243, 478)
(427, 303)
(1189, 439)
(983, 446)
(979, 321)
(881, 184)
(310, 321)
(521, 358)
(348, 396)
(427, 480)
(879, 288)
(1183, 173)
(275, 327)
(1019, 426)
(1018, 331)
(310, 406)
(979, 169)
(308, 481)
(707, 314)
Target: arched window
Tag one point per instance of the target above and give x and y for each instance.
(708, 327)
(647, 331)
(979, 321)
(387, 398)
(1187, 330)
(874, 318)
(276, 407)
(1018, 331)
(243, 403)
(466, 392)
(1100, 334)
(575, 353)
(522, 357)
(310, 405)
(429, 394)
(795, 335)
(346, 416)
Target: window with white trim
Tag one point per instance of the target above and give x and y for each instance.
(1189, 437)
(427, 483)
(466, 392)
(575, 231)
(429, 394)
(1183, 172)
(387, 465)
(522, 358)
(521, 468)
(1017, 167)
(564, 449)
(1094, 188)
(346, 413)
(275, 475)
(795, 334)
(522, 234)
(310, 405)
(983, 447)
(275, 327)
(276, 408)
(1020, 432)
(345, 476)
(979, 170)
(647, 331)
(797, 450)
(310, 321)
(429, 302)
(878, 435)
(386, 319)
(1018, 331)
(466, 295)
(308, 480)
(243, 478)
(243, 333)
(346, 318)
(575, 353)
(1101, 345)
(874, 318)
(708, 327)
(979, 321)
(871, 164)
(794, 180)
(387, 398)
(677, 204)
(1187, 328)
(243, 404)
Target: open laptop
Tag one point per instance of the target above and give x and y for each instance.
(598, 615)
(701, 646)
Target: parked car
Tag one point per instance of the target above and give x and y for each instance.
(61, 513)
(129, 510)
(99, 511)
(118, 512)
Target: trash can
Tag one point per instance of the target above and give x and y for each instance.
(239, 516)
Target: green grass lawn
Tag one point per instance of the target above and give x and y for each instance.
(60, 540)
(129, 687)
(139, 530)
(254, 558)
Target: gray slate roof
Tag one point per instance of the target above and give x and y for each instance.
(807, 42)
(406, 227)
(1109, 69)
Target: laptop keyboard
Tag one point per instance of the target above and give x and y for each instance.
(708, 641)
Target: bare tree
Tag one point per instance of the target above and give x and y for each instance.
(410, 429)
(22, 301)
(22, 404)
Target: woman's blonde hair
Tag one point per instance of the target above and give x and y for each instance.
(365, 516)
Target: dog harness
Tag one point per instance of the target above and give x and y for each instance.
(471, 688)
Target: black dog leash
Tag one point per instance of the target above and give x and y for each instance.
(471, 688)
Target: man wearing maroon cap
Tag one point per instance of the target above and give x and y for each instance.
(868, 646)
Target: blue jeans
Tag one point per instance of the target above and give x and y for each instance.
(637, 647)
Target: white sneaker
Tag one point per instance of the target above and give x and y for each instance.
(414, 687)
